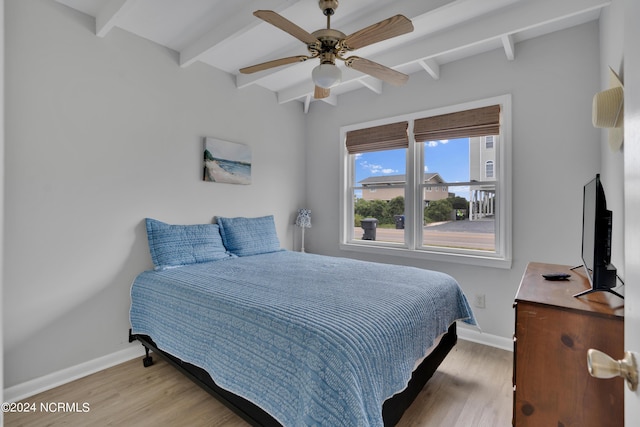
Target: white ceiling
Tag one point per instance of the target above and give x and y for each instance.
(224, 34)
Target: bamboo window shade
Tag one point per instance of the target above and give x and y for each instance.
(385, 137)
(483, 121)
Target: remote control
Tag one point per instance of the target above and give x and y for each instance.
(556, 276)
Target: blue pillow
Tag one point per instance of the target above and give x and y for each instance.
(176, 245)
(249, 236)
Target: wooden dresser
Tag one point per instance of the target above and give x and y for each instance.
(554, 330)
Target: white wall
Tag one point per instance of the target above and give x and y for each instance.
(101, 133)
(619, 51)
(555, 149)
(612, 167)
(632, 196)
(1, 187)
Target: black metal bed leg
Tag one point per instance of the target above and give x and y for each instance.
(148, 360)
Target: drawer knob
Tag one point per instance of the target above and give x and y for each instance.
(601, 365)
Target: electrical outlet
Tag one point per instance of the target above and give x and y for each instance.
(479, 301)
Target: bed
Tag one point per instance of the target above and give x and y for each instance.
(289, 338)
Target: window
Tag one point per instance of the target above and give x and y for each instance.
(440, 194)
(488, 169)
(488, 142)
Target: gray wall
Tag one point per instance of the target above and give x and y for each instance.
(101, 133)
(555, 152)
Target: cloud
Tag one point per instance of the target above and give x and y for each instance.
(228, 150)
(436, 143)
(375, 169)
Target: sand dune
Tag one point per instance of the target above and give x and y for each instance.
(216, 174)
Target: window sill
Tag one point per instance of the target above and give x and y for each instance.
(458, 258)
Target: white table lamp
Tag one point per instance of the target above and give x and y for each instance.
(303, 221)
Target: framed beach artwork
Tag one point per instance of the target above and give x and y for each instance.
(227, 162)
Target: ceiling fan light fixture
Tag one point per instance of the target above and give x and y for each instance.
(326, 75)
(328, 44)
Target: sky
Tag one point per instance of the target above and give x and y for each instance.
(449, 158)
(228, 150)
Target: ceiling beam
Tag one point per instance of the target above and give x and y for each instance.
(307, 103)
(295, 92)
(411, 9)
(239, 23)
(331, 100)
(431, 67)
(107, 17)
(372, 84)
(509, 47)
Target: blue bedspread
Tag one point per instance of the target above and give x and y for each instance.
(313, 340)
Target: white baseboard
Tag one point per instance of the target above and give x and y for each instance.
(475, 335)
(55, 379)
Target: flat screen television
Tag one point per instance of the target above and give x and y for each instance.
(596, 239)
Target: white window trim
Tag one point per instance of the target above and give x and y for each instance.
(503, 164)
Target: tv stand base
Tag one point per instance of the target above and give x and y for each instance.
(603, 280)
(589, 291)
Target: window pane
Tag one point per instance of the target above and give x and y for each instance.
(463, 221)
(459, 212)
(448, 159)
(379, 195)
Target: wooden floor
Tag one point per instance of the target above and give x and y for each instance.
(472, 387)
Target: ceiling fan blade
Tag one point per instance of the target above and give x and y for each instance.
(383, 30)
(285, 25)
(273, 64)
(376, 70)
(321, 92)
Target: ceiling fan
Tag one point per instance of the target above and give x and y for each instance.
(329, 44)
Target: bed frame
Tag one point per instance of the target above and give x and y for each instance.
(392, 409)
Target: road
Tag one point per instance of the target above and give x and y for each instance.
(477, 235)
